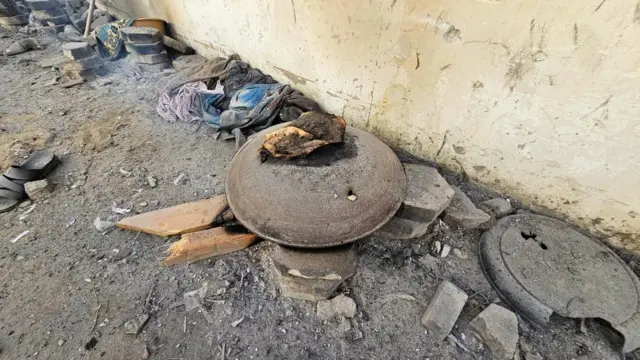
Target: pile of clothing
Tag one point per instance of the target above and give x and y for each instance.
(232, 97)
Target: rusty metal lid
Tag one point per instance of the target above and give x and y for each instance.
(305, 202)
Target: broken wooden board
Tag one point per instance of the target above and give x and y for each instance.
(176, 220)
(207, 243)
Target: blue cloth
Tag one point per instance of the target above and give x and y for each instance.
(210, 105)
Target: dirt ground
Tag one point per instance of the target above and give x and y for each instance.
(66, 283)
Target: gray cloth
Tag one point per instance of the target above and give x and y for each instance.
(240, 74)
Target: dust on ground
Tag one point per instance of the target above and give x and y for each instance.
(65, 283)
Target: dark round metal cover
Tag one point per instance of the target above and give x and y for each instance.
(541, 265)
(336, 195)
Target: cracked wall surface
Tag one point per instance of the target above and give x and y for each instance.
(539, 99)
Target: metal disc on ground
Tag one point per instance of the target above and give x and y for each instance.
(540, 265)
(336, 195)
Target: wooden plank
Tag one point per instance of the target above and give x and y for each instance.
(176, 220)
(207, 243)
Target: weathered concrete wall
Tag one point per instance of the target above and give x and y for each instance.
(539, 99)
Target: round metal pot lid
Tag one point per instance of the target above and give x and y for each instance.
(540, 265)
(336, 195)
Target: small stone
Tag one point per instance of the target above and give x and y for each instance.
(343, 325)
(460, 254)
(443, 310)
(145, 353)
(103, 225)
(446, 249)
(352, 197)
(60, 342)
(532, 356)
(143, 204)
(152, 181)
(340, 305)
(135, 325)
(38, 190)
(19, 258)
(179, 179)
(25, 204)
(498, 328)
(436, 248)
(499, 207)
(462, 212)
(62, 113)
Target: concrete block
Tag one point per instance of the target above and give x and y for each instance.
(102, 20)
(428, 194)
(41, 4)
(498, 328)
(17, 20)
(38, 190)
(84, 64)
(144, 49)
(141, 35)
(151, 59)
(443, 310)
(308, 274)
(402, 229)
(78, 50)
(462, 212)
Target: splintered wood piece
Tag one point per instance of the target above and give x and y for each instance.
(176, 220)
(207, 243)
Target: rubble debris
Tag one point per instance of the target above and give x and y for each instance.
(301, 137)
(443, 310)
(38, 190)
(103, 225)
(498, 328)
(177, 220)
(499, 207)
(20, 236)
(22, 46)
(152, 181)
(204, 244)
(462, 212)
(338, 306)
(428, 195)
(135, 325)
(457, 342)
(120, 211)
(237, 322)
(460, 254)
(178, 180)
(313, 274)
(193, 300)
